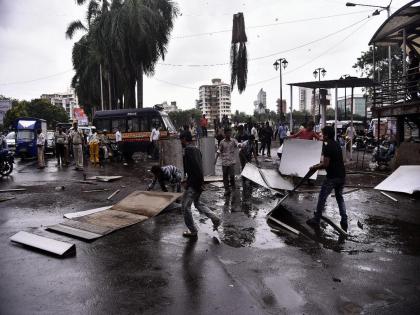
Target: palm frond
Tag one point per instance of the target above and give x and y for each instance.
(73, 27)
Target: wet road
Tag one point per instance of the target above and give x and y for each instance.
(149, 268)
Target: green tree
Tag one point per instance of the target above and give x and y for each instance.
(37, 108)
(183, 117)
(127, 38)
(364, 64)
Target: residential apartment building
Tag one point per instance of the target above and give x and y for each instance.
(260, 105)
(67, 100)
(309, 102)
(5, 105)
(214, 100)
(359, 106)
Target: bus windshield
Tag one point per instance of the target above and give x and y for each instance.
(25, 135)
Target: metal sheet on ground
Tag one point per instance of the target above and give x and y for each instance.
(267, 178)
(73, 215)
(104, 178)
(93, 228)
(68, 230)
(298, 156)
(147, 203)
(43, 243)
(404, 179)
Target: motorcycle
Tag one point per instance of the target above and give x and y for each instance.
(6, 162)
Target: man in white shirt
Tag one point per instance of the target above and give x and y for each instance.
(77, 139)
(254, 132)
(40, 145)
(154, 138)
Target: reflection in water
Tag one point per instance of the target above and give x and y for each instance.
(192, 275)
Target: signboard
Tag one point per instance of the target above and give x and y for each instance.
(80, 116)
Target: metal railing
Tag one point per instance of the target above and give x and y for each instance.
(400, 90)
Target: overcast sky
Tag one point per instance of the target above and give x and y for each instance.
(35, 56)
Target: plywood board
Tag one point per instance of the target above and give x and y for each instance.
(68, 230)
(267, 178)
(101, 230)
(112, 219)
(298, 156)
(73, 215)
(146, 203)
(43, 243)
(404, 179)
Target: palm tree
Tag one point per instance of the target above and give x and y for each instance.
(140, 34)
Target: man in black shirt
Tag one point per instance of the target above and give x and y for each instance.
(336, 174)
(195, 180)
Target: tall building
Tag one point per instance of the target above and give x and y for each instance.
(359, 106)
(214, 100)
(309, 102)
(5, 105)
(283, 107)
(67, 100)
(172, 107)
(260, 105)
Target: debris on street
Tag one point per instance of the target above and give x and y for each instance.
(43, 243)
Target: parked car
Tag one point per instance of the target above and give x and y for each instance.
(50, 145)
(11, 140)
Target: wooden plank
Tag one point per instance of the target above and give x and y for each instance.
(42, 243)
(6, 198)
(113, 194)
(68, 230)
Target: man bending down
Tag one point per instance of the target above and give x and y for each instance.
(166, 174)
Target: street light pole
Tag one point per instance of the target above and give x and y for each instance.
(317, 73)
(278, 65)
(388, 9)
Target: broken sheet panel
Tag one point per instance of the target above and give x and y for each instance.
(267, 178)
(298, 156)
(42, 243)
(404, 179)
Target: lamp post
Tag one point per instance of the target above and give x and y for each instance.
(343, 77)
(278, 64)
(317, 73)
(388, 9)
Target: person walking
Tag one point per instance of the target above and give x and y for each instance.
(94, 148)
(282, 132)
(247, 151)
(194, 187)
(40, 145)
(77, 139)
(335, 179)
(119, 142)
(60, 138)
(154, 138)
(254, 132)
(227, 152)
(166, 174)
(267, 135)
(204, 124)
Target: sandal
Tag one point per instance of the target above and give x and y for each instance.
(189, 234)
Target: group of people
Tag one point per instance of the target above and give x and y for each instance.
(67, 143)
(332, 162)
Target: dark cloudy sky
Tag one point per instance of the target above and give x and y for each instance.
(35, 56)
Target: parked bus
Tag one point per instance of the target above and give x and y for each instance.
(26, 135)
(135, 126)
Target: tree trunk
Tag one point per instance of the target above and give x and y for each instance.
(130, 95)
(140, 88)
